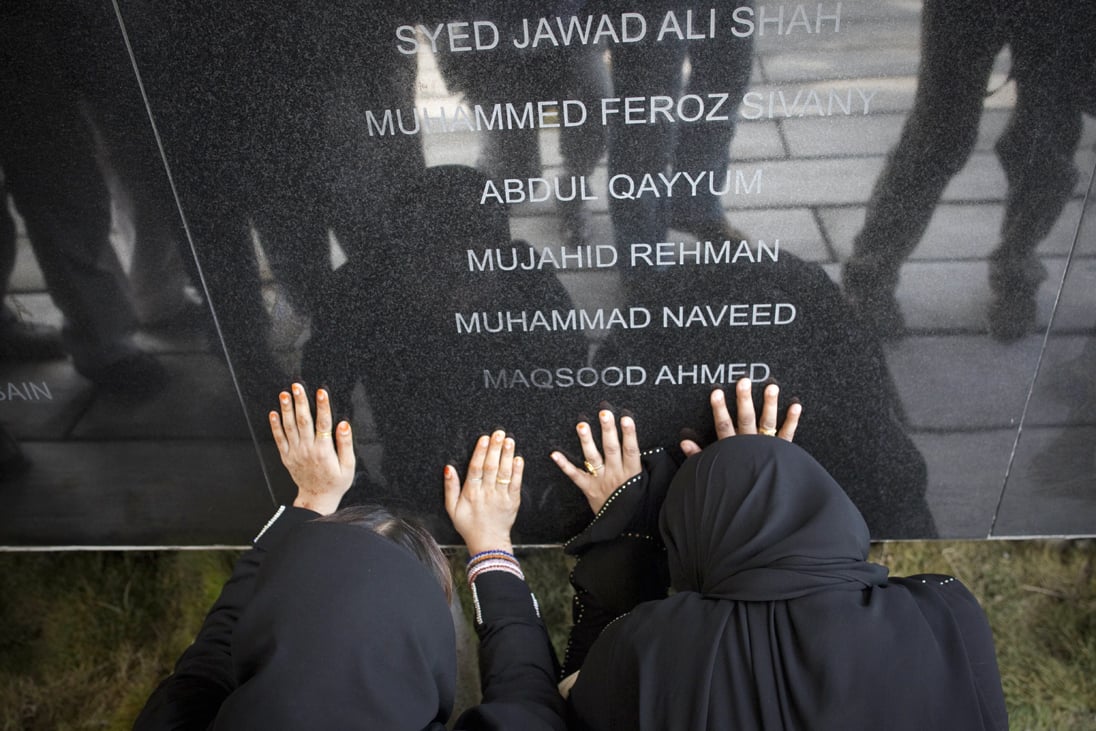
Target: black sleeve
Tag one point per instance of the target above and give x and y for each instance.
(622, 561)
(517, 664)
(975, 638)
(191, 696)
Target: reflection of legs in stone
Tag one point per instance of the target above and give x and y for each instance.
(510, 154)
(58, 190)
(638, 149)
(825, 357)
(1067, 466)
(19, 340)
(721, 65)
(959, 41)
(520, 77)
(1036, 152)
(581, 147)
(159, 276)
(222, 240)
(292, 227)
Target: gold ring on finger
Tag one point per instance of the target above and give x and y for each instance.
(323, 434)
(766, 431)
(592, 468)
(503, 482)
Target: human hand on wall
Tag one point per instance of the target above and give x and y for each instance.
(603, 475)
(747, 417)
(321, 462)
(484, 510)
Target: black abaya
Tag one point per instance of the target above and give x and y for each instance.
(779, 621)
(331, 626)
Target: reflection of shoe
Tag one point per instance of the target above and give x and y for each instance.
(192, 318)
(870, 293)
(22, 341)
(509, 156)
(12, 460)
(133, 378)
(1014, 282)
(574, 223)
(1011, 316)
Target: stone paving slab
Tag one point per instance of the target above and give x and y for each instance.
(1086, 230)
(845, 181)
(840, 64)
(966, 474)
(1077, 305)
(938, 297)
(756, 141)
(145, 493)
(1050, 484)
(963, 382)
(1065, 390)
(42, 401)
(199, 402)
(871, 25)
(956, 231)
(875, 134)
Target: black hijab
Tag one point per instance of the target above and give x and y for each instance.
(779, 621)
(346, 630)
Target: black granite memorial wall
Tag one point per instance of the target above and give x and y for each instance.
(458, 217)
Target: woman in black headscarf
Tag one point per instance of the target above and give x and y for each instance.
(343, 621)
(778, 621)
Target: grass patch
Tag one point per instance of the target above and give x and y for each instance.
(85, 637)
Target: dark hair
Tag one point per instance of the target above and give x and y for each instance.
(407, 533)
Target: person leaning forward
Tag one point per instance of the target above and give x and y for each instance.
(340, 620)
(777, 620)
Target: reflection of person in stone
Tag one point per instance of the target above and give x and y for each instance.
(47, 154)
(389, 324)
(777, 620)
(342, 621)
(719, 65)
(275, 140)
(1053, 60)
(517, 76)
(822, 354)
(20, 339)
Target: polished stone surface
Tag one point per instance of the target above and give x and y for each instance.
(263, 234)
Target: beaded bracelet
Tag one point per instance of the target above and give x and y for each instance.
(493, 554)
(509, 565)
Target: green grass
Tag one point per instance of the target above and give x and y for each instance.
(85, 637)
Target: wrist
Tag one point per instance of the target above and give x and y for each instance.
(491, 561)
(322, 504)
(484, 544)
